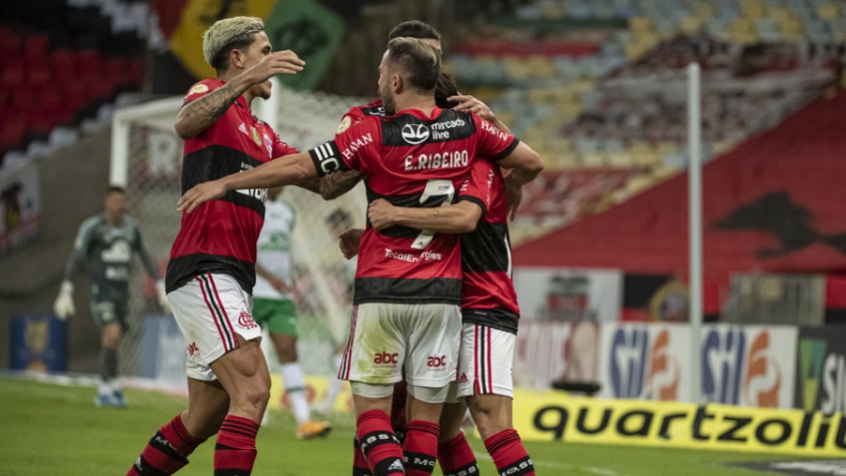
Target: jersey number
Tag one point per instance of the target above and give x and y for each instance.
(435, 189)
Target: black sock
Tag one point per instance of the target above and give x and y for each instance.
(108, 364)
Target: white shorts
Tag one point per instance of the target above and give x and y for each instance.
(210, 310)
(387, 338)
(487, 358)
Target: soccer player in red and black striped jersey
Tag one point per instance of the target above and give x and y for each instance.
(212, 265)
(453, 453)
(408, 283)
(489, 306)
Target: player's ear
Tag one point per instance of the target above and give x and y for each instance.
(397, 83)
(236, 58)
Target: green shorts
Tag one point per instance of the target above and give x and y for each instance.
(109, 312)
(277, 315)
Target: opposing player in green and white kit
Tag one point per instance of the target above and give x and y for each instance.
(273, 306)
(105, 243)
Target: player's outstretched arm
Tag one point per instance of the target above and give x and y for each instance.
(332, 186)
(287, 170)
(198, 115)
(458, 218)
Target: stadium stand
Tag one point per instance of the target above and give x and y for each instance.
(601, 84)
(62, 75)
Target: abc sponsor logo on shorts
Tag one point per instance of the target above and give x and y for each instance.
(384, 358)
(435, 361)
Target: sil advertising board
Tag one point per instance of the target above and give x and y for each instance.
(741, 365)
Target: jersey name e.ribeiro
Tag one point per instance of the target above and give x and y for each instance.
(274, 248)
(220, 235)
(412, 160)
(488, 298)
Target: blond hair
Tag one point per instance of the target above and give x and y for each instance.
(226, 35)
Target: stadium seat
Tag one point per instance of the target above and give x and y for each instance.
(12, 133)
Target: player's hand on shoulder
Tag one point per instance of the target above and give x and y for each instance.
(350, 241)
(200, 194)
(381, 214)
(278, 62)
(470, 103)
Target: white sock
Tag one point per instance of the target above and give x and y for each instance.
(335, 384)
(294, 382)
(105, 388)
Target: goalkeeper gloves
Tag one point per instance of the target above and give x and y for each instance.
(63, 306)
(163, 302)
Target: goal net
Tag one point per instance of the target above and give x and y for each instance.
(146, 158)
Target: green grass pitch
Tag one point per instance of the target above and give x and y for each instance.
(56, 430)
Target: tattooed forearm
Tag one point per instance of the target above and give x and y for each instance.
(337, 184)
(201, 113)
(312, 184)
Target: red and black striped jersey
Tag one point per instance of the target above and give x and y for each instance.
(488, 298)
(220, 235)
(412, 160)
(357, 114)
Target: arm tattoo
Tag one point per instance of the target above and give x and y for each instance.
(312, 184)
(205, 111)
(339, 183)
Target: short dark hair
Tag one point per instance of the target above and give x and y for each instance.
(420, 62)
(115, 189)
(414, 29)
(445, 88)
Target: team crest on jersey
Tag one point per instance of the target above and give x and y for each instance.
(345, 124)
(200, 88)
(254, 133)
(415, 133)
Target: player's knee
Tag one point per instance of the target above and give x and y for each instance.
(287, 354)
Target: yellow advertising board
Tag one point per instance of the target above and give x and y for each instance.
(557, 417)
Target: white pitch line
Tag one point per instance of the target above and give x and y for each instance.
(554, 465)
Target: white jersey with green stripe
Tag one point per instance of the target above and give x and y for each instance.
(274, 248)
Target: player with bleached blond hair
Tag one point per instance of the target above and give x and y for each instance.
(211, 273)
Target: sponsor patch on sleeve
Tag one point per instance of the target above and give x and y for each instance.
(200, 88)
(345, 124)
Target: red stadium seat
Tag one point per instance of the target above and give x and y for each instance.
(64, 63)
(12, 75)
(12, 133)
(37, 45)
(39, 73)
(77, 95)
(90, 63)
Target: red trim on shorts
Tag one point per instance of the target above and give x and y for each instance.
(344, 371)
(211, 310)
(223, 308)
